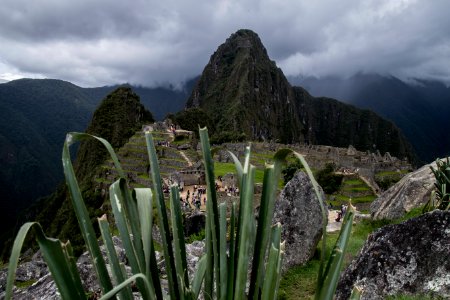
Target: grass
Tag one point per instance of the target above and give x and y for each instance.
(364, 199)
(354, 182)
(144, 176)
(261, 158)
(356, 188)
(342, 198)
(25, 284)
(221, 169)
(200, 236)
(101, 180)
(300, 282)
(389, 173)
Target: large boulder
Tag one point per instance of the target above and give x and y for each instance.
(411, 258)
(413, 190)
(298, 210)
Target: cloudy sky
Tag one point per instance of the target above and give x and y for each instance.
(147, 42)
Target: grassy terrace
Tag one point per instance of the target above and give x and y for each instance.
(220, 169)
(356, 188)
(390, 173)
(355, 200)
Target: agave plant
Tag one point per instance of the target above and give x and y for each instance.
(442, 184)
(222, 274)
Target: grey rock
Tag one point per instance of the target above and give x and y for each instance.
(45, 287)
(297, 209)
(411, 258)
(194, 252)
(412, 191)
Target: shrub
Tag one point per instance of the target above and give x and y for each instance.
(442, 184)
(328, 180)
(291, 169)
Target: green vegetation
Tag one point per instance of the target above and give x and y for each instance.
(354, 189)
(133, 214)
(442, 184)
(25, 284)
(290, 170)
(191, 119)
(363, 199)
(227, 137)
(386, 179)
(300, 282)
(117, 119)
(34, 117)
(200, 236)
(328, 180)
(221, 169)
(353, 182)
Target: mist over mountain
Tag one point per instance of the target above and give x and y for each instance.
(419, 107)
(243, 91)
(241, 95)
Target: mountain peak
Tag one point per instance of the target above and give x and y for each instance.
(243, 90)
(244, 38)
(244, 43)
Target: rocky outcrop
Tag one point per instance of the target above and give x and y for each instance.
(194, 223)
(43, 287)
(298, 210)
(411, 258)
(411, 191)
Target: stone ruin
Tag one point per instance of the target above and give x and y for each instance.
(347, 160)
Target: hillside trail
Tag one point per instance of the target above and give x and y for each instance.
(189, 161)
(172, 139)
(375, 190)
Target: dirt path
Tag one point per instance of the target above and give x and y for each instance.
(332, 224)
(190, 164)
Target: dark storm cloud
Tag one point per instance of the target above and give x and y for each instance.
(156, 42)
(65, 20)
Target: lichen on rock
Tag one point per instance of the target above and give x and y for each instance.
(411, 258)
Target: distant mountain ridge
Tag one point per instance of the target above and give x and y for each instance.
(243, 90)
(420, 108)
(35, 116)
(117, 118)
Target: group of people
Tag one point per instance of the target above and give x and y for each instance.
(232, 191)
(197, 198)
(163, 143)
